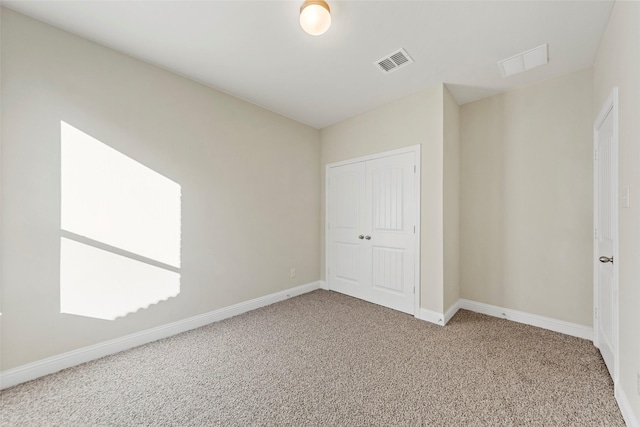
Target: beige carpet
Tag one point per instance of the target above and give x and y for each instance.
(325, 359)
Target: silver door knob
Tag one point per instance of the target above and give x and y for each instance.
(368, 237)
(606, 259)
(361, 236)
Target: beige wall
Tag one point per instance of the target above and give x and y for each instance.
(451, 200)
(526, 199)
(618, 64)
(515, 167)
(250, 184)
(412, 120)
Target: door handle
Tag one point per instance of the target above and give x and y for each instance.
(605, 259)
(361, 236)
(368, 237)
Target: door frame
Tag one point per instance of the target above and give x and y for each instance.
(416, 149)
(609, 107)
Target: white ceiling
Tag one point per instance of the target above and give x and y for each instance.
(258, 52)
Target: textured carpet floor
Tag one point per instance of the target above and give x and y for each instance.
(326, 359)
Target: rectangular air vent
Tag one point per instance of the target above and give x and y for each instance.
(524, 61)
(394, 61)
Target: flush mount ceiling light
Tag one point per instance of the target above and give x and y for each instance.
(315, 17)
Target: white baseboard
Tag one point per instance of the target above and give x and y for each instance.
(31, 371)
(438, 318)
(431, 316)
(323, 285)
(567, 328)
(625, 408)
(451, 312)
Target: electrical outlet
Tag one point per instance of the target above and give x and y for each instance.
(292, 273)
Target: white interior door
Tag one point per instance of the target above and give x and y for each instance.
(372, 230)
(606, 235)
(345, 255)
(390, 223)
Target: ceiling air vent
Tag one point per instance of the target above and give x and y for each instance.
(394, 61)
(524, 61)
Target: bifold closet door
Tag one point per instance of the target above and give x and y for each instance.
(371, 235)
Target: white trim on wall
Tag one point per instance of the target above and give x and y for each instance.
(625, 408)
(431, 316)
(451, 312)
(57, 363)
(567, 328)
(561, 326)
(439, 318)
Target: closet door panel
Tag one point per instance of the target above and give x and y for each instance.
(346, 210)
(390, 252)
